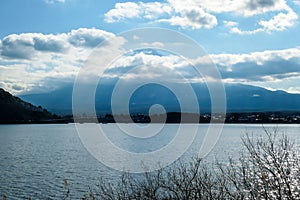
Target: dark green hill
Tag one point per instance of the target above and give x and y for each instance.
(15, 110)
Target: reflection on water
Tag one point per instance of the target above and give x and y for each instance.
(35, 159)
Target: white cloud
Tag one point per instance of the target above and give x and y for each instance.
(276, 65)
(257, 57)
(296, 2)
(27, 45)
(280, 22)
(283, 18)
(151, 66)
(245, 8)
(271, 67)
(129, 10)
(245, 32)
(54, 1)
(230, 23)
(195, 18)
(197, 14)
(176, 13)
(123, 10)
(88, 37)
(154, 9)
(294, 90)
(33, 60)
(277, 69)
(153, 44)
(24, 46)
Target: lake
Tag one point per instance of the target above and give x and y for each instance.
(35, 159)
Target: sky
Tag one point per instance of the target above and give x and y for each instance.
(44, 43)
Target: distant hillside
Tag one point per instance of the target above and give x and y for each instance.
(240, 98)
(247, 98)
(15, 110)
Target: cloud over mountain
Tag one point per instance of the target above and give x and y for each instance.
(277, 68)
(37, 62)
(260, 65)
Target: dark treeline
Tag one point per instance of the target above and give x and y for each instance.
(177, 117)
(42, 116)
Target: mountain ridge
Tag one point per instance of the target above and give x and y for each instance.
(15, 110)
(240, 98)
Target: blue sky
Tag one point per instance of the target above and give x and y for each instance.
(43, 43)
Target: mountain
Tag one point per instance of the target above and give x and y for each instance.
(57, 101)
(251, 98)
(240, 98)
(15, 110)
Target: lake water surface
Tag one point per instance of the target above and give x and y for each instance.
(35, 159)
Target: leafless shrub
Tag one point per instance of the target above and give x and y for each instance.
(193, 180)
(268, 168)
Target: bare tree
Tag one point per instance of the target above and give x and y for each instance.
(267, 168)
(193, 180)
